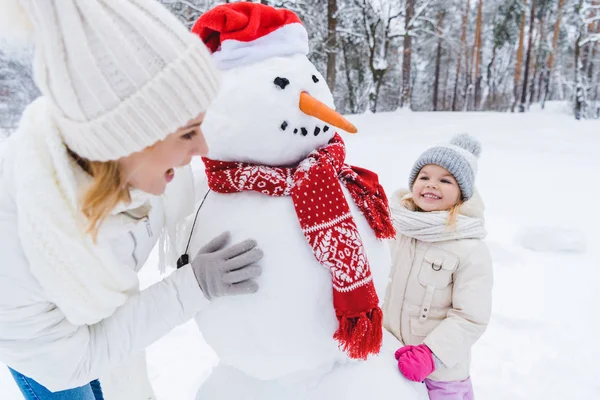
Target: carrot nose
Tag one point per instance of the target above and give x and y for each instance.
(313, 107)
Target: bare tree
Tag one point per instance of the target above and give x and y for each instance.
(331, 47)
(438, 59)
(580, 92)
(553, 52)
(523, 105)
(462, 49)
(409, 13)
(535, 89)
(378, 30)
(519, 62)
(477, 50)
(349, 84)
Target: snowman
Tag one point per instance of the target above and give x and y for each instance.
(276, 172)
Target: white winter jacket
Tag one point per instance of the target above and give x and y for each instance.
(35, 337)
(443, 300)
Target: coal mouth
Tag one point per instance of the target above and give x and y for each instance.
(303, 130)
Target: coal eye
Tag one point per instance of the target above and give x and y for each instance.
(281, 82)
(315, 79)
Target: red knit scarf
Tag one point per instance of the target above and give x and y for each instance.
(329, 228)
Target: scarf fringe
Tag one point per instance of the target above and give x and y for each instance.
(383, 227)
(364, 187)
(360, 335)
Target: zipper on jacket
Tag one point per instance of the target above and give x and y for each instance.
(148, 227)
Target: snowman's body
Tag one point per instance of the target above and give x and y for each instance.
(278, 343)
(287, 327)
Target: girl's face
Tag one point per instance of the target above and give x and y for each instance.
(153, 168)
(435, 189)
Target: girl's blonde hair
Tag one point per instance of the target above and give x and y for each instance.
(104, 193)
(410, 204)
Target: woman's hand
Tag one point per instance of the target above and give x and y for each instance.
(223, 270)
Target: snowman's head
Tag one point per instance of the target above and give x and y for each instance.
(261, 114)
(273, 107)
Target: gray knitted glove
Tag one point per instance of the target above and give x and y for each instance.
(226, 271)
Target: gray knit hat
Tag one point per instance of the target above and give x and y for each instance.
(459, 157)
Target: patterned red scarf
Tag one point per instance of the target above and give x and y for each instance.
(329, 228)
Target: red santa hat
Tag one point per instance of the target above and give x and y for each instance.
(243, 33)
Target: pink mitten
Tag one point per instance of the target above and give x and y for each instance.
(403, 350)
(415, 362)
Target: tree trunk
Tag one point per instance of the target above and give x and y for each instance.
(445, 96)
(377, 91)
(593, 54)
(351, 95)
(523, 105)
(589, 48)
(492, 85)
(407, 53)
(519, 63)
(477, 50)
(590, 61)
(438, 60)
(536, 59)
(331, 47)
(461, 50)
(549, 71)
(579, 90)
(540, 64)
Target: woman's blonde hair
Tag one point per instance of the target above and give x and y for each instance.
(410, 204)
(104, 193)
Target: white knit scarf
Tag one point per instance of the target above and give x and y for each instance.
(412, 226)
(85, 281)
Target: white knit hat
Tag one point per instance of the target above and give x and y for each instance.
(120, 74)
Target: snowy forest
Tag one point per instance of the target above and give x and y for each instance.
(424, 55)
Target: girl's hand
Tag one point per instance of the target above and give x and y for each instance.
(415, 362)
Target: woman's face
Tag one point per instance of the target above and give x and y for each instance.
(151, 169)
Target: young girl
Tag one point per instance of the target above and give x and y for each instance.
(438, 302)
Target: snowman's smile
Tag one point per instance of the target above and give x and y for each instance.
(303, 130)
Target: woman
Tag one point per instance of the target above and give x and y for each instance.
(91, 179)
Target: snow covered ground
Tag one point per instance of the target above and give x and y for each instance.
(538, 174)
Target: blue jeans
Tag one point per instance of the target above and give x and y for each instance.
(34, 391)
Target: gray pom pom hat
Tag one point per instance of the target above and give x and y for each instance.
(459, 157)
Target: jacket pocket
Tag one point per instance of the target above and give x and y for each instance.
(437, 268)
(420, 329)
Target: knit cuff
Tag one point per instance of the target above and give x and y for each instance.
(438, 363)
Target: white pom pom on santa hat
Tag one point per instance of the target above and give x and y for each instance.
(16, 27)
(243, 33)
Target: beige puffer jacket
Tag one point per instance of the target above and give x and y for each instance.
(443, 299)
